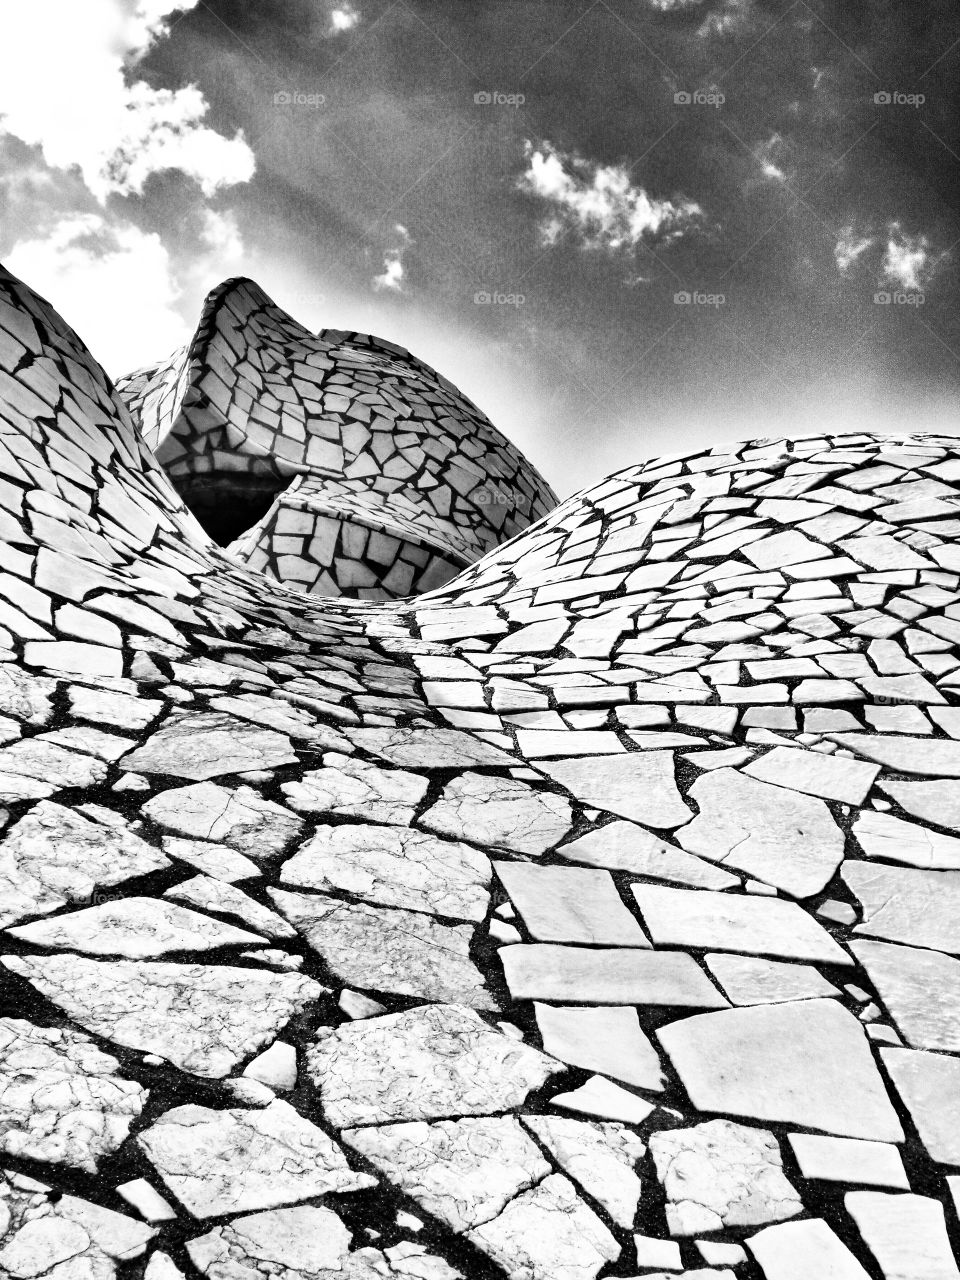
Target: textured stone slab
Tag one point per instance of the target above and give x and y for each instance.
(831, 777)
(240, 818)
(734, 922)
(218, 861)
(921, 908)
(218, 1162)
(600, 1157)
(640, 786)
(385, 949)
(906, 1234)
(601, 1097)
(61, 1098)
(394, 868)
(804, 1063)
(929, 1085)
(937, 802)
(920, 989)
(428, 748)
(934, 757)
(54, 856)
(570, 904)
(35, 768)
(782, 837)
(624, 846)
(548, 1233)
(881, 835)
(607, 1039)
(595, 976)
(747, 980)
(851, 1160)
(136, 928)
(463, 1172)
(208, 744)
(428, 1063)
(353, 788)
(216, 895)
(504, 812)
(204, 1019)
(720, 1175)
(802, 1250)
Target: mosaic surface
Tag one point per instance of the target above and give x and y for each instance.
(336, 462)
(593, 915)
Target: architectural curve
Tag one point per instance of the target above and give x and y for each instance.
(336, 462)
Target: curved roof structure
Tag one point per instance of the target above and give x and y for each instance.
(593, 915)
(336, 462)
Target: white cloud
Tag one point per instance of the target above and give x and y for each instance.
(128, 297)
(767, 156)
(393, 270)
(343, 17)
(600, 204)
(901, 260)
(73, 100)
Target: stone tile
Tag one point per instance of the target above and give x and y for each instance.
(746, 980)
(503, 812)
(801, 1250)
(598, 976)
(602, 1098)
(830, 777)
(899, 904)
(606, 1039)
(935, 757)
(240, 818)
(203, 744)
(906, 1234)
(639, 786)
(929, 1086)
(881, 835)
(935, 802)
(624, 846)
(849, 1160)
(920, 989)
(351, 788)
(801, 1063)
(734, 922)
(570, 904)
(211, 894)
(600, 1157)
(782, 837)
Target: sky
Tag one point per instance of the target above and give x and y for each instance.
(622, 227)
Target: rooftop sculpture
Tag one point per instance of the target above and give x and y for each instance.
(594, 913)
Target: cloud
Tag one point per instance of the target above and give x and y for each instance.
(120, 287)
(899, 259)
(76, 105)
(391, 277)
(599, 204)
(343, 17)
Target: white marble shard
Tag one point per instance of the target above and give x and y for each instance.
(831, 777)
(148, 1202)
(802, 1250)
(720, 1175)
(219, 1162)
(240, 818)
(65, 1238)
(601, 1158)
(217, 895)
(26, 697)
(392, 867)
(606, 1100)
(920, 989)
(805, 1063)
(353, 788)
(570, 904)
(386, 949)
(216, 860)
(135, 928)
(782, 837)
(594, 975)
(504, 812)
(900, 904)
(36, 767)
(906, 1234)
(935, 802)
(547, 1233)
(428, 1063)
(639, 786)
(850, 1160)
(428, 748)
(748, 980)
(734, 922)
(302, 1242)
(463, 1172)
(607, 1039)
(207, 744)
(929, 1086)
(204, 1019)
(625, 846)
(881, 835)
(62, 1100)
(54, 856)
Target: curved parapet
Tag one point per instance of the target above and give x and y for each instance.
(336, 462)
(614, 884)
